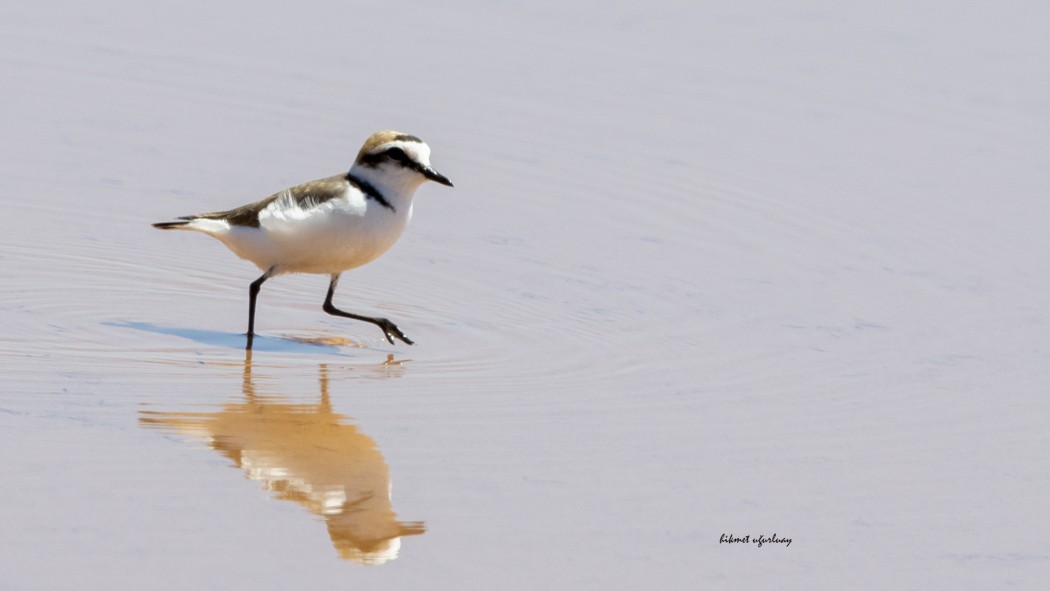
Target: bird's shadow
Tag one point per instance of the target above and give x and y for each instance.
(232, 340)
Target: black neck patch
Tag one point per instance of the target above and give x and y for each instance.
(369, 190)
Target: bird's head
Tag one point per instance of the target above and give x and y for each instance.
(397, 159)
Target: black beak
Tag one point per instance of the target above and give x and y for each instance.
(436, 176)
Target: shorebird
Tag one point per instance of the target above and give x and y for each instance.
(329, 225)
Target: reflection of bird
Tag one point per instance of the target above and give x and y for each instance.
(329, 225)
(308, 454)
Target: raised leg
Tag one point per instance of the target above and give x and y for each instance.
(253, 292)
(390, 330)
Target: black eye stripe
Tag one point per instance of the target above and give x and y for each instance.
(394, 154)
(397, 155)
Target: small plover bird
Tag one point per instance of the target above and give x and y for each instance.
(329, 225)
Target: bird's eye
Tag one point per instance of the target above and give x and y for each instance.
(397, 155)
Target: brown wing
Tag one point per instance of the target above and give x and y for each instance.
(305, 195)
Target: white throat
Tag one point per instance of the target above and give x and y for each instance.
(397, 186)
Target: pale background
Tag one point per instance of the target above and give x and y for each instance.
(718, 267)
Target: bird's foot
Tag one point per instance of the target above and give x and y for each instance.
(391, 331)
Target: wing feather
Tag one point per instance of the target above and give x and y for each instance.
(302, 197)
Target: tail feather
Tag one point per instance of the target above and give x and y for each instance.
(171, 225)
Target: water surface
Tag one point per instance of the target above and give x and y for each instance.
(743, 269)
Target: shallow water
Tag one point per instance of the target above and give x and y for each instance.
(738, 268)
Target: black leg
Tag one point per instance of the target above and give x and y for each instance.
(253, 292)
(390, 330)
